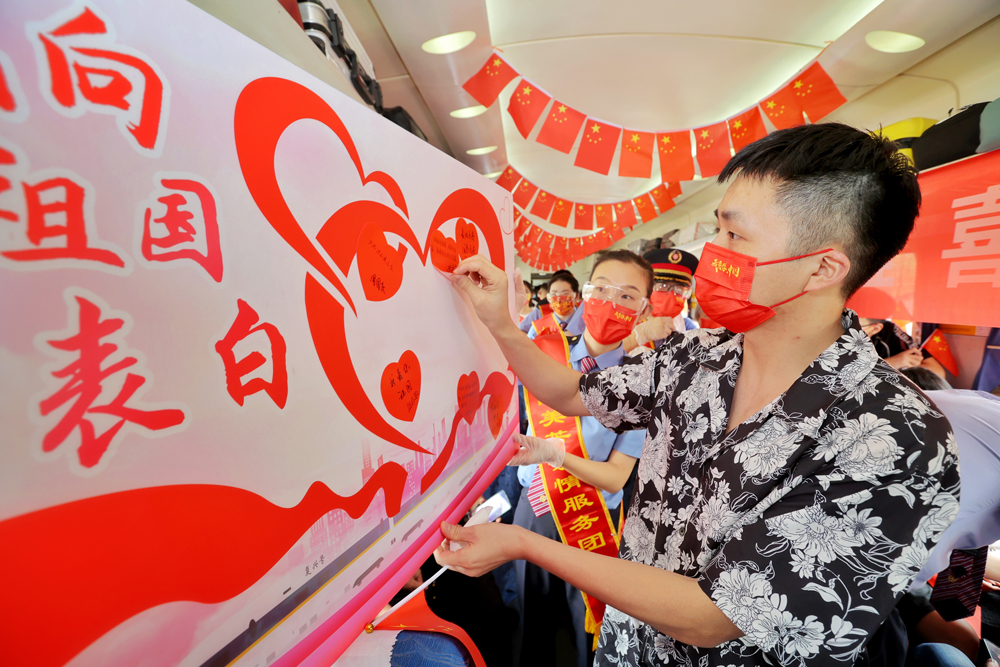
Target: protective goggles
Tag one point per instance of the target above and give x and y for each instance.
(676, 288)
(556, 297)
(622, 298)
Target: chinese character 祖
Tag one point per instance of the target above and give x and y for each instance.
(13, 104)
(242, 327)
(112, 80)
(582, 523)
(84, 386)
(180, 238)
(564, 484)
(577, 502)
(550, 417)
(591, 542)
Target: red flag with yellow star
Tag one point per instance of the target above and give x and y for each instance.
(597, 148)
(526, 106)
(636, 159)
(524, 192)
(522, 225)
(561, 212)
(783, 109)
(712, 142)
(603, 215)
(543, 204)
(662, 198)
(644, 204)
(816, 92)
(583, 217)
(508, 179)
(486, 84)
(746, 128)
(938, 347)
(624, 214)
(674, 189)
(676, 162)
(561, 127)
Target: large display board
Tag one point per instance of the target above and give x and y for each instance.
(238, 391)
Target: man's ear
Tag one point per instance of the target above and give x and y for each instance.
(832, 271)
(872, 328)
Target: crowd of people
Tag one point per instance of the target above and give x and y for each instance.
(777, 489)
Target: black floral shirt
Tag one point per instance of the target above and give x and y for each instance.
(804, 524)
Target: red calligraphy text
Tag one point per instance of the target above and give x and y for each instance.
(187, 227)
(977, 235)
(242, 327)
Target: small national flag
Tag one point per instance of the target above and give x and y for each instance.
(508, 179)
(543, 204)
(644, 204)
(662, 198)
(561, 212)
(636, 159)
(783, 109)
(676, 162)
(526, 106)
(522, 225)
(816, 92)
(524, 192)
(604, 215)
(597, 148)
(583, 217)
(561, 127)
(486, 84)
(746, 128)
(938, 347)
(624, 215)
(713, 148)
(674, 189)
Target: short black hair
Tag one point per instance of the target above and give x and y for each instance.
(925, 378)
(626, 257)
(837, 184)
(566, 277)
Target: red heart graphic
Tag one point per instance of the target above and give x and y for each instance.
(468, 396)
(380, 266)
(444, 252)
(467, 238)
(495, 411)
(401, 386)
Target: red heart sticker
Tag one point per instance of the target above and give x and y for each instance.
(467, 238)
(401, 387)
(380, 267)
(469, 399)
(494, 412)
(444, 252)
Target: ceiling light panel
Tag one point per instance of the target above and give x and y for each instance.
(444, 44)
(469, 112)
(888, 41)
(485, 150)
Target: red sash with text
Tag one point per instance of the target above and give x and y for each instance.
(579, 510)
(546, 324)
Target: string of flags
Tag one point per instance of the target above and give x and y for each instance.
(809, 94)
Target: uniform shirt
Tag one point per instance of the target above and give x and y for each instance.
(804, 525)
(533, 332)
(975, 417)
(598, 440)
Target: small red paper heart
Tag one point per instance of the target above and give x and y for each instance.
(467, 238)
(494, 413)
(380, 267)
(444, 252)
(468, 396)
(401, 387)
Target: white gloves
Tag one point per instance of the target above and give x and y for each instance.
(539, 450)
(653, 329)
(520, 294)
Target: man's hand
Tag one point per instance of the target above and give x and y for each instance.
(905, 359)
(538, 450)
(655, 328)
(486, 547)
(486, 286)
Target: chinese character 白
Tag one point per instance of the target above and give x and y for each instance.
(242, 327)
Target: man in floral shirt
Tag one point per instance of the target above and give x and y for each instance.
(791, 484)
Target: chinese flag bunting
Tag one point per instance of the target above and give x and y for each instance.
(676, 163)
(673, 189)
(746, 128)
(543, 204)
(604, 216)
(636, 158)
(598, 146)
(522, 225)
(644, 204)
(508, 179)
(624, 215)
(524, 192)
(561, 127)
(783, 109)
(526, 106)
(561, 212)
(486, 84)
(938, 347)
(816, 92)
(662, 198)
(713, 148)
(583, 217)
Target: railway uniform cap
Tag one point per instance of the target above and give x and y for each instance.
(672, 264)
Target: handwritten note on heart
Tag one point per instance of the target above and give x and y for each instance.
(467, 238)
(444, 252)
(401, 387)
(468, 396)
(494, 414)
(380, 266)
